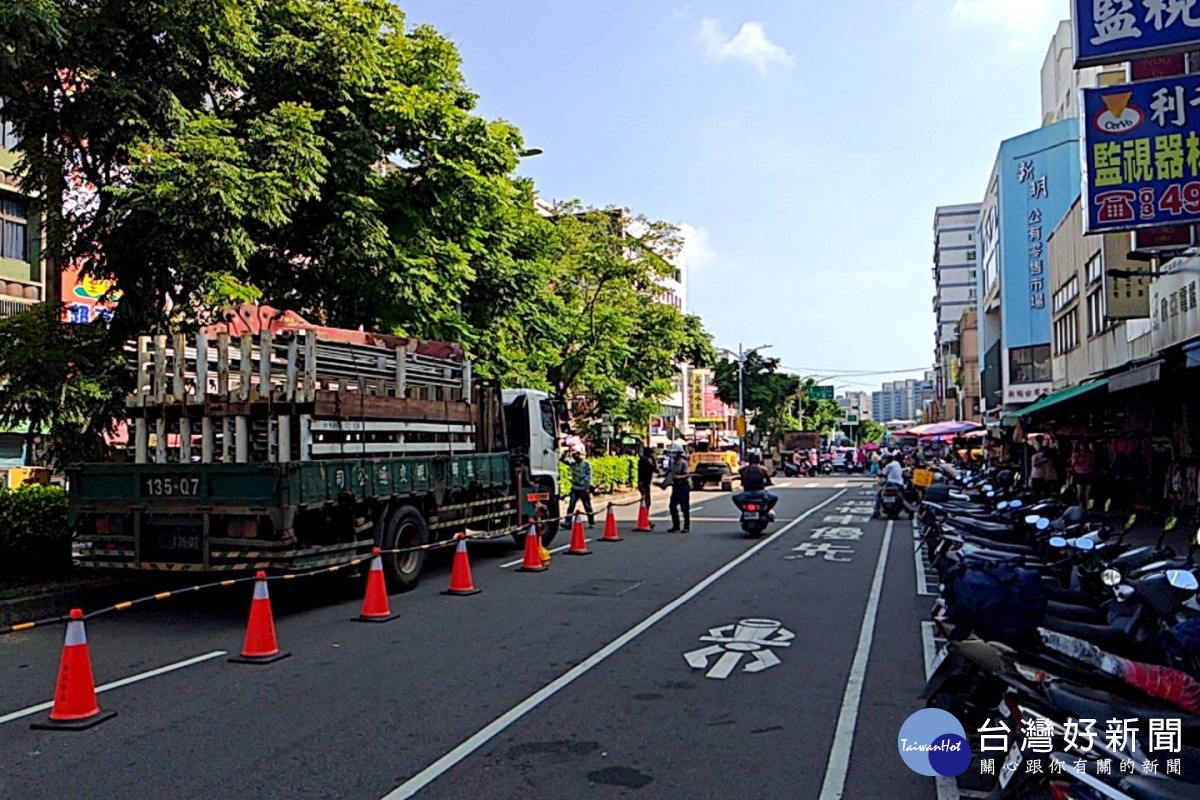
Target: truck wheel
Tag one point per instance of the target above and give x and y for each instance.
(405, 527)
(697, 484)
(726, 486)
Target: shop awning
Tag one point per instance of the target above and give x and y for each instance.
(1138, 376)
(1059, 397)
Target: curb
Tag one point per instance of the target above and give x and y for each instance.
(58, 603)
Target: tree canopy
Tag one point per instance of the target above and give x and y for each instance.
(871, 431)
(769, 394)
(323, 156)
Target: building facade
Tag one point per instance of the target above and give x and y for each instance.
(1034, 182)
(966, 377)
(954, 277)
(23, 275)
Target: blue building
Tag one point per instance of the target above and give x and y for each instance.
(1033, 185)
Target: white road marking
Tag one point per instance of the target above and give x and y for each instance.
(811, 485)
(25, 712)
(521, 560)
(839, 486)
(843, 737)
(919, 564)
(745, 638)
(514, 714)
(928, 647)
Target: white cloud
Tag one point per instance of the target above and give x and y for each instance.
(749, 45)
(697, 252)
(1022, 23)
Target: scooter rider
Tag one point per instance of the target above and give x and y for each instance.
(754, 485)
(893, 475)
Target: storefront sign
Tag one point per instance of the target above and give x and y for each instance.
(1139, 376)
(1174, 310)
(1141, 142)
(87, 299)
(1128, 295)
(1112, 31)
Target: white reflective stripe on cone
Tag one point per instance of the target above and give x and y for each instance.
(533, 529)
(462, 545)
(75, 633)
(260, 590)
(377, 564)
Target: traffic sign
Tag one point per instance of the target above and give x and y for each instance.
(820, 393)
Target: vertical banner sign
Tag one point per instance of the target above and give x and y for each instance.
(1038, 228)
(1142, 154)
(1112, 31)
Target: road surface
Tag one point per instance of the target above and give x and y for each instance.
(703, 665)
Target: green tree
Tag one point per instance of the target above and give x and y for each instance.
(63, 380)
(870, 431)
(769, 394)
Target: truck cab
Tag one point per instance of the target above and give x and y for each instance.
(534, 422)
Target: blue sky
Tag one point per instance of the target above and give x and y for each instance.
(802, 144)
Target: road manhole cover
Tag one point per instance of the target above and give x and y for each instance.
(603, 588)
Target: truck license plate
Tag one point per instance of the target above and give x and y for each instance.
(179, 541)
(170, 486)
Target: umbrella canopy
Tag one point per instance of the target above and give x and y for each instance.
(869, 446)
(950, 427)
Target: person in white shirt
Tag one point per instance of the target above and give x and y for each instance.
(893, 474)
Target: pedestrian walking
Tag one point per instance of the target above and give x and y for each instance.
(681, 494)
(581, 489)
(1082, 463)
(645, 476)
(1039, 473)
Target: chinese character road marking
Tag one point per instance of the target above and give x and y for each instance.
(828, 551)
(747, 638)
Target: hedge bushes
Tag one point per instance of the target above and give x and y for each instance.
(34, 538)
(608, 473)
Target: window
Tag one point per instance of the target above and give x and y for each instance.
(547, 409)
(1097, 306)
(1066, 332)
(970, 237)
(1095, 269)
(1029, 364)
(14, 229)
(970, 255)
(1065, 294)
(8, 136)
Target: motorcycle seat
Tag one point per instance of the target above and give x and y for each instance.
(1103, 636)
(1060, 609)
(1143, 787)
(982, 527)
(990, 546)
(1096, 704)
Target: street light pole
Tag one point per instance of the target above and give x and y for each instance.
(741, 395)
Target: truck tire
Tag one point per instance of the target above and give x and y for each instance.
(726, 486)
(404, 528)
(697, 484)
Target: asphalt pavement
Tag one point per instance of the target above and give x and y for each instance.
(663, 666)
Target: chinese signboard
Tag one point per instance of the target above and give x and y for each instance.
(820, 393)
(703, 404)
(1111, 31)
(1142, 154)
(1174, 311)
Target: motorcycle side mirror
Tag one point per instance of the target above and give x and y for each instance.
(1002, 506)
(1016, 504)
(1183, 579)
(987, 487)
(1058, 541)
(1043, 524)
(1084, 544)
(1110, 577)
(991, 494)
(1032, 519)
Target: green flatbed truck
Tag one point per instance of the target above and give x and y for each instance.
(292, 474)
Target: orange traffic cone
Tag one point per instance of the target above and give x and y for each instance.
(578, 541)
(460, 575)
(643, 520)
(375, 604)
(610, 527)
(533, 552)
(75, 706)
(260, 646)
